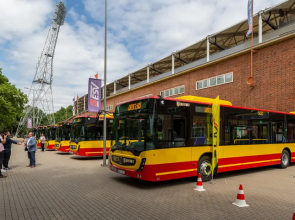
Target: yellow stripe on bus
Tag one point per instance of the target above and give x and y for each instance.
(238, 164)
(172, 172)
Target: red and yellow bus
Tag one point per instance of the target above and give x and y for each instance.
(158, 139)
(87, 135)
(63, 134)
(50, 132)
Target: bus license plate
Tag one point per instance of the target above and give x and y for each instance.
(71, 152)
(121, 171)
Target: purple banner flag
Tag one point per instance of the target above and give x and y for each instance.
(250, 17)
(29, 124)
(94, 95)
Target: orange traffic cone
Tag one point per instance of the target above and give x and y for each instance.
(199, 185)
(240, 201)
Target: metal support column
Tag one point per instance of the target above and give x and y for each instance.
(260, 27)
(148, 75)
(129, 84)
(84, 104)
(208, 49)
(172, 69)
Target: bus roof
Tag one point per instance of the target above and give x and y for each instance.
(63, 122)
(205, 101)
(92, 115)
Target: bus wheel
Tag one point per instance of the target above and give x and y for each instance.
(204, 167)
(285, 159)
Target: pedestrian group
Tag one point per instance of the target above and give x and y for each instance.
(5, 150)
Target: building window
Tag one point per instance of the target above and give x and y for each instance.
(173, 91)
(109, 108)
(215, 81)
(228, 77)
(205, 83)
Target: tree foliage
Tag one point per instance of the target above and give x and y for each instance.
(59, 115)
(12, 103)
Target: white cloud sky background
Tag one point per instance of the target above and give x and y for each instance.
(139, 32)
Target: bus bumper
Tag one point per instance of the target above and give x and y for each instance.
(50, 147)
(133, 173)
(90, 152)
(64, 149)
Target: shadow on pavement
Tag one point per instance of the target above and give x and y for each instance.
(140, 184)
(249, 171)
(86, 158)
(62, 153)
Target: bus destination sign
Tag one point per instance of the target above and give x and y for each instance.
(134, 106)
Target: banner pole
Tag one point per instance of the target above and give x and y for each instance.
(105, 91)
(252, 41)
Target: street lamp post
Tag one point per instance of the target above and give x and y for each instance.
(105, 90)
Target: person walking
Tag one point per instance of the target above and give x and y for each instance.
(31, 146)
(7, 150)
(2, 141)
(42, 140)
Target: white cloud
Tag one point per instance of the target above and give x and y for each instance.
(140, 32)
(19, 18)
(79, 54)
(158, 27)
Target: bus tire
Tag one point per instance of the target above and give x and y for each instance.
(285, 159)
(204, 167)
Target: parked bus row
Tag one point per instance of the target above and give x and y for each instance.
(81, 135)
(157, 139)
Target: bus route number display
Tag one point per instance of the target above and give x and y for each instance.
(134, 106)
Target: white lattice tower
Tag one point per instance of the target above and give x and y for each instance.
(41, 88)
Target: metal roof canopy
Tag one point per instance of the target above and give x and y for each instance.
(272, 18)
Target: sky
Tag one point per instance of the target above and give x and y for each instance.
(139, 32)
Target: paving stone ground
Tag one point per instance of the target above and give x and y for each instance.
(64, 187)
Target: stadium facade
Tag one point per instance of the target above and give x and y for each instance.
(219, 64)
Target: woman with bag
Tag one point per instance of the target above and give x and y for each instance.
(2, 141)
(42, 140)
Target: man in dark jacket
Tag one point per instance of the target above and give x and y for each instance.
(7, 150)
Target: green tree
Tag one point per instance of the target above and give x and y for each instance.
(12, 102)
(59, 115)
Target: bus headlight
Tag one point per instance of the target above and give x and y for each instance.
(127, 160)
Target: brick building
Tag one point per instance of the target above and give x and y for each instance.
(220, 65)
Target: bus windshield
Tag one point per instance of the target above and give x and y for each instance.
(78, 133)
(52, 133)
(133, 133)
(59, 133)
(66, 133)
